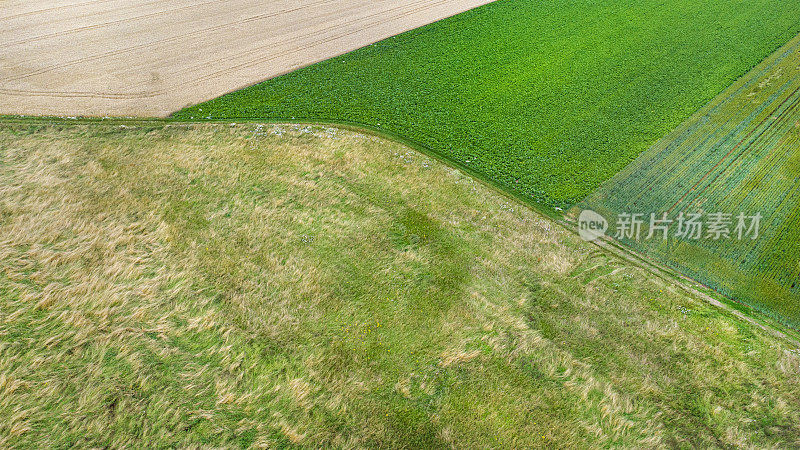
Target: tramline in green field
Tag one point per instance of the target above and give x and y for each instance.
(738, 155)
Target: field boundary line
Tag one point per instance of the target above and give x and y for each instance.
(608, 245)
(687, 284)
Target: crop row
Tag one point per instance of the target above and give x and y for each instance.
(741, 153)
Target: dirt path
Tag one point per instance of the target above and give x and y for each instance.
(150, 58)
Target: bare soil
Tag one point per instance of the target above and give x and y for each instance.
(150, 58)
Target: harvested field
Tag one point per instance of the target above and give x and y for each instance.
(738, 155)
(145, 58)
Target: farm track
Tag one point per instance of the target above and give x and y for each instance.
(145, 58)
(739, 154)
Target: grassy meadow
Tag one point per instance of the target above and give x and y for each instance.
(546, 98)
(259, 285)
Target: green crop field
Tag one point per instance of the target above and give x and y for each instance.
(547, 98)
(739, 154)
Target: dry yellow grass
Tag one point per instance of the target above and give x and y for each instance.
(238, 285)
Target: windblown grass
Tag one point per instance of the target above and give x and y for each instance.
(228, 285)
